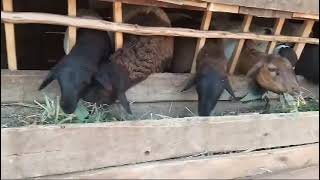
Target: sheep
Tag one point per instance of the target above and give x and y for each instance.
(75, 70)
(271, 72)
(211, 78)
(140, 57)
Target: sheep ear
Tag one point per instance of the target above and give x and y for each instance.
(255, 69)
(190, 83)
(124, 102)
(104, 80)
(50, 77)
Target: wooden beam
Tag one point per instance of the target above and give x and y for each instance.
(45, 18)
(117, 17)
(72, 31)
(215, 7)
(186, 3)
(267, 13)
(305, 16)
(237, 51)
(277, 31)
(305, 32)
(10, 37)
(205, 25)
(27, 151)
(212, 167)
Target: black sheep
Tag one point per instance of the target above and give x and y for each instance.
(140, 57)
(211, 78)
(75, 71)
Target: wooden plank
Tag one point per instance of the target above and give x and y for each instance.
(117, 17)
(215, 7)
(186, 3)
(157, 88)
(236, 53)
(72, 31)
(205, 25)
(25, 152)
(267, 13)
(306, 16)
(277, 31)
(10, 38)
(45, 18)
(305, 32)
(301, 6)
(157, 3)
(311, 172)
(212, 167)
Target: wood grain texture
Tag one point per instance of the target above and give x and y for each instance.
(213, 167)
(72, 31)
(48, 150)
(117, 17)
(277, 31)
(45, 18)
(10, 38)
(305, 31)
(302, 6)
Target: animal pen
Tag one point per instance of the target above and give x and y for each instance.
(230, 146)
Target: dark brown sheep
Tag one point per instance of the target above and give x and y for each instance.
(139, 57)
(211, 78)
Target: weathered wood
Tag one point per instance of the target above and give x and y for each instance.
(215, 7)
(212, 167)
(72, 31)
(162, 4)
(267, 13)
(45, 18)
(305, 16)
(117, 17)
(186, 3)
(302, 6)
(277, 30)
(158, 87)
(10, 38)
(311, 172)
(205, 24)
(305, 32)
(237, 51)
(28, 151)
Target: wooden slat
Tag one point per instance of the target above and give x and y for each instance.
(72, 31)
(237, 51)
(215, 7)
(277, 31)
(10, 38)
(205, 25)
(49, 150)
(117, 17)
(232, 166)
(186, 3)
(301, 6)
(306, 16)
(157, 3)
(45, 18)
(305, 32)
(164, 87)
(267, 13)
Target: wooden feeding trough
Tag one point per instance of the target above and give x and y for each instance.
(192, 147)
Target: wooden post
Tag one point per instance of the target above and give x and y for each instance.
(305, 32)
(205, 24)
(10, 38)
(277, 31)
(117, 16)
(236, 53)
(72, 31)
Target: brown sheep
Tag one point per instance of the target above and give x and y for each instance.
(271, 72)
(140, 57)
